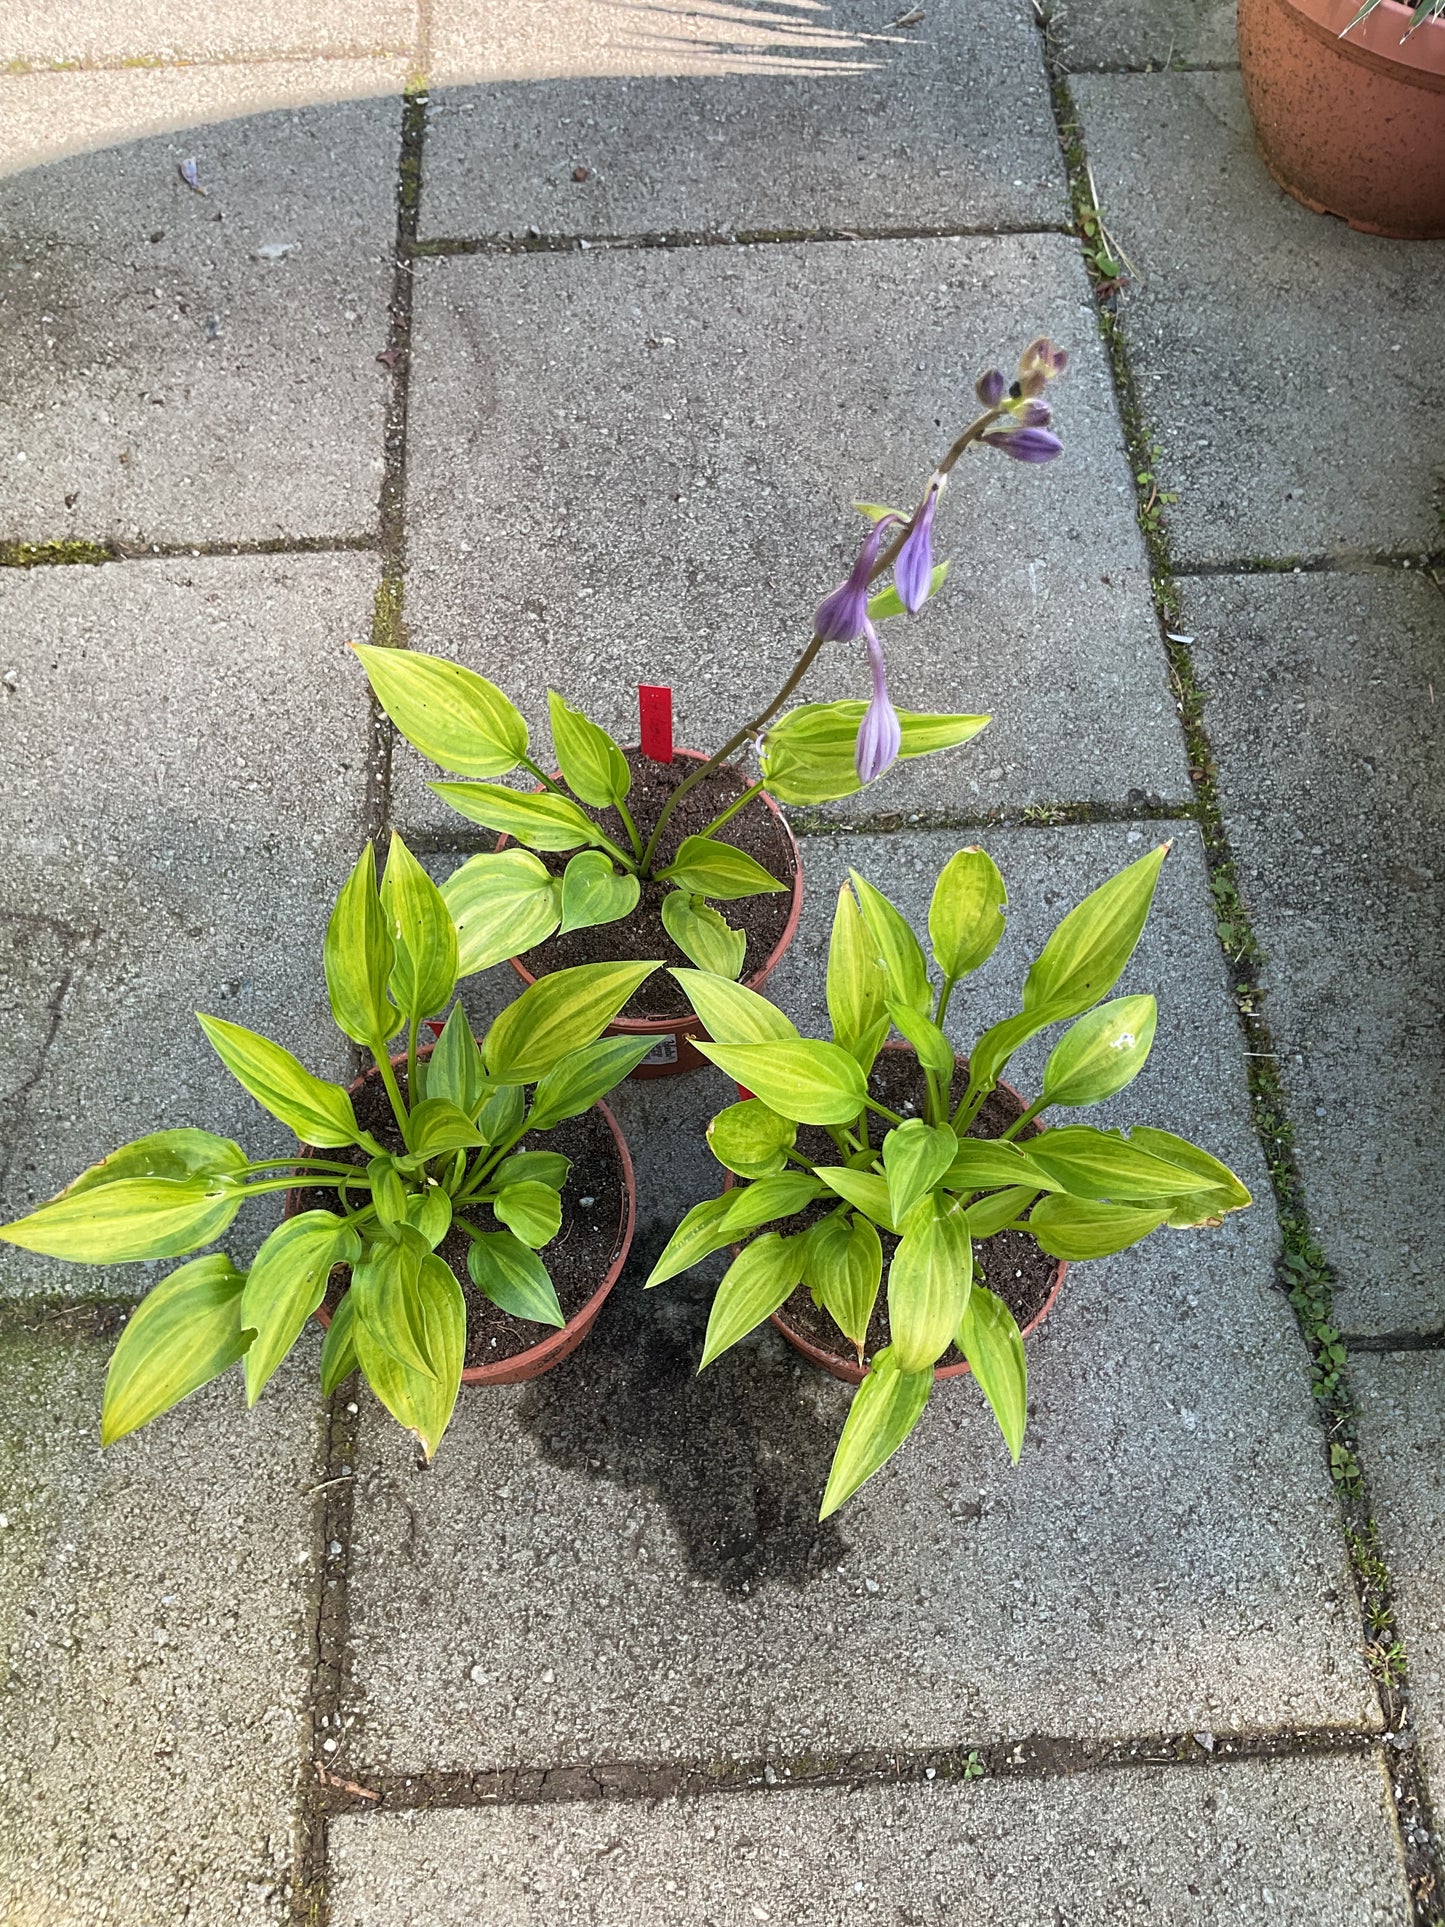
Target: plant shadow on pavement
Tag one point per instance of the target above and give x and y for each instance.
(738, 1455)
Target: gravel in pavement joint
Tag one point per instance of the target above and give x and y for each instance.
(1302, 1271)
(54, 555)
(534, 241)
(1036, 1757)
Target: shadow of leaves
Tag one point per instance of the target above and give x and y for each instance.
(738, 1455)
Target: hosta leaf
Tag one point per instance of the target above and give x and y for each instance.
(556, 1015)
(457, 718)
(319, 1113)
(1082, 1228)
(916, 1157)
(750, 1139)
(1086, 955)
(857, 983)
(929, 1280)
(707, 868)
(514, 1277)
(989, 1338)
(896, 948)
(966, 916)
(866, 1190)
(542, 820)
(503, 902)
(810, 1083)
(423, 1402)
(532, 1210)
(583, 1077)
(359, 956)
(286, 1283)
(592, 765)
(703, 934)
(186, 1331)
(845, 1268)
(756, 1282)
(129, 1219)
(424, 965)
(1101, 1053)
(702, 1231)
(731, 1013)
(1103, 1164)
(594, 891)
(885, 1409)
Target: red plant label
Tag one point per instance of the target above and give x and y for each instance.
(654, 710)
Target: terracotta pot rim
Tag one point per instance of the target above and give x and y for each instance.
(557, 1345)
(1380, 41)
(843, 1364)
(665, 1026)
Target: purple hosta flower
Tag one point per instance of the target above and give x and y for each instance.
(913, 570)
(1025, 444)
(843, 616)
(880, 734)
(992, 387)
(1042, 357)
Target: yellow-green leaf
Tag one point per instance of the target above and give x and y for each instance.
(457, 718)
(186, 1331)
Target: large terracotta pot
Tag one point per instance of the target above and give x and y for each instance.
(1352, 126)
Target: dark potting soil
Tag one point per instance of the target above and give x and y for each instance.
(754, 830)
(577, 1258)
(1014, 1268)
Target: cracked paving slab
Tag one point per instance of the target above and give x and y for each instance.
(1320, 702)
(641, 1575)
(1281, 433)
(669, 466)
(1308, 1842)
(200, 367)
(177, 841)
(827, 120)
(154, 1613)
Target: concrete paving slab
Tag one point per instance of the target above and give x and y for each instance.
(154, 1613)
(187, 367)
(1143, 33)
(1400, 1410)
(1303, 1841)
(1320, 703)
(1283, 434)
(641, 1575)
(669, 465)
(45, 115)
(52, 33)
(825, 122)
(186, 791)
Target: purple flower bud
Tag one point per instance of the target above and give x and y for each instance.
(1034, 414)
(1026, 444)
(913, 570)
(880, 734)
(843, 616)
(991, 388)
(1043, 356)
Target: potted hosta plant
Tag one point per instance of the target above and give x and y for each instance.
(421, 1199)
(631, 851)
(855, 1157)
(1349, 106)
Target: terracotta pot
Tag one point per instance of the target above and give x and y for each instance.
(1352, 126)
(845, 1365)
(673, 1054)
(557, 1345)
